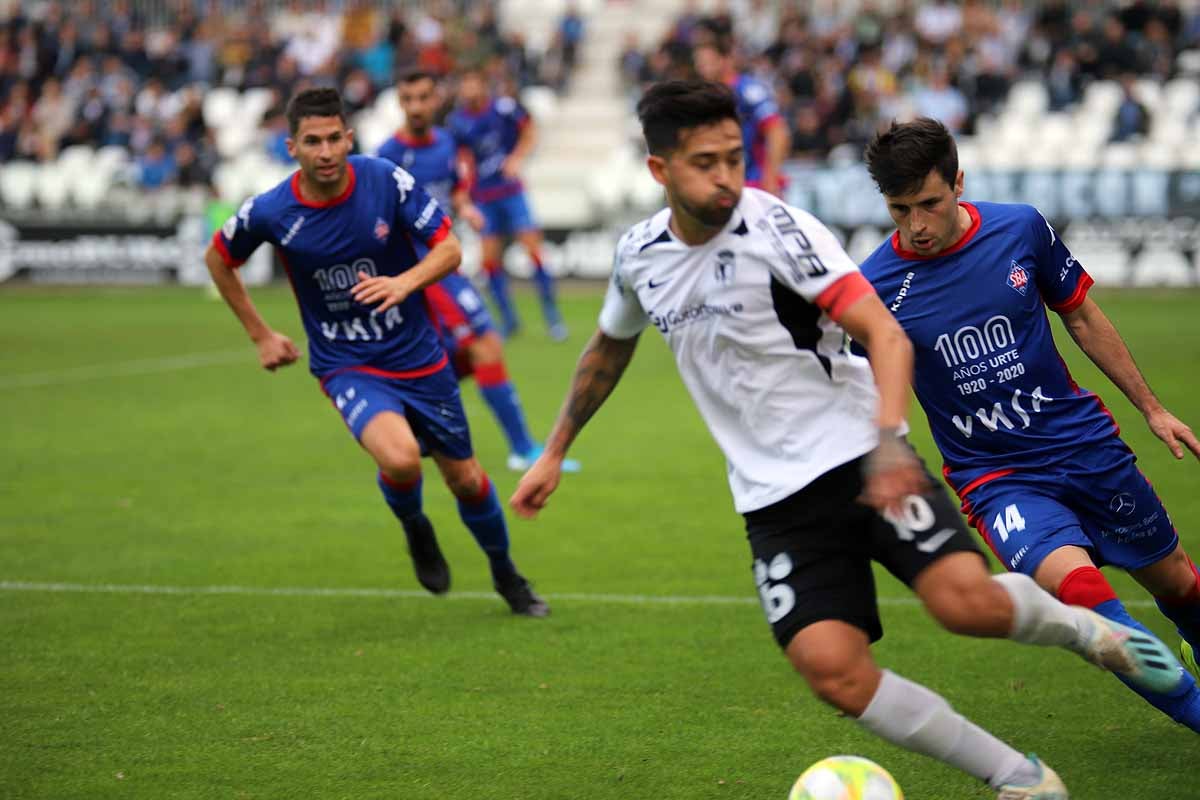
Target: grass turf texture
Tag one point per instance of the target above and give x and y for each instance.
(222, 474)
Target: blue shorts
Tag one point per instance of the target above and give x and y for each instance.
(507, 216)
(1097, 499)
(430, 403)
(459, 311)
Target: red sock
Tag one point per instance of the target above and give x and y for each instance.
(1087, 587)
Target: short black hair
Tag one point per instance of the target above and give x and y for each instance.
(314, 103)
(417, 74)
(715, 32)
(901, 157)
(673, 106)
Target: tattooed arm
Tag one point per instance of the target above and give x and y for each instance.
(600, 367)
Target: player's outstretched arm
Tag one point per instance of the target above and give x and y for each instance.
(526, 139)
(892, 470)
(1096, 336)
(596, 375)
(392, 290)
(274, 349)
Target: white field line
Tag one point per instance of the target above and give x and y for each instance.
(120, 369)
(415, 594)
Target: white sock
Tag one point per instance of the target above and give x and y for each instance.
(1038, 617)
(911, 716)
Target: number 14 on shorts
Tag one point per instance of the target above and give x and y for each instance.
(1010, 521)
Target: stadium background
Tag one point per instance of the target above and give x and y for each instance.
(201, 594)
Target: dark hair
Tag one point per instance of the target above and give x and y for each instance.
(314, 103)
(417, 74)
(673, 106)
(716, 33)
(900, 158)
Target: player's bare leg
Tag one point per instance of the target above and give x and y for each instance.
(481, 512)
(491, 251)
(390, 441)
(531, 240)
(1175, 583)
(834, 657)
(961, 594)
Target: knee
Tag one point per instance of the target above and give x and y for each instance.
(486, 350)
(399, 462)
(843, 681)
(1178, 579)
(466, 480)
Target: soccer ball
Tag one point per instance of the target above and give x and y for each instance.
(846, 778)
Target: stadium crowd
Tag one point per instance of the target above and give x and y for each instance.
(838, 75)
(97, 72)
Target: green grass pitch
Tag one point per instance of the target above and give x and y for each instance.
(142, 446)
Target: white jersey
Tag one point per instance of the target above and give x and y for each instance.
(747, 315)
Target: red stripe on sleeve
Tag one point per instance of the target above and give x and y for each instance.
(440, 234)
(218, 242)
(769, 121)
(843, 293)
(1076, 299)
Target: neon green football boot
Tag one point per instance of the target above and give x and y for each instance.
(1188, 656)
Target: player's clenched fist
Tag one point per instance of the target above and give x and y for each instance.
(276, 350)
(383, 289)
(536, 486)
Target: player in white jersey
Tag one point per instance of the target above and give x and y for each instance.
(755, 299)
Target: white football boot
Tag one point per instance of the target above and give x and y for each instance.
(1048, 787)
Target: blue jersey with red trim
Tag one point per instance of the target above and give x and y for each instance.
(757, 109)
(988, 374)
(373, 227)
(490, 136)
(432, 160)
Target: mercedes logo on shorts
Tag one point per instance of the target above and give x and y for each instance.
(1122, 504)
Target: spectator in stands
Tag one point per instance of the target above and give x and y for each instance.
(570, 31)
(937, 99)
(52, 113)
(156, 168)
(1116, 55)
(1063, 81)
(1132, 117)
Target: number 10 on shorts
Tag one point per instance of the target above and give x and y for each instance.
(1008, 522)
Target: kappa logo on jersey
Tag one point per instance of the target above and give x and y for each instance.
(724, 268)
(904, 290)
(404, 182)
(1018, 278)
(381, 229)
(292, 231)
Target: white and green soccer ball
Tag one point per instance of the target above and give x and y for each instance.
(846, 778)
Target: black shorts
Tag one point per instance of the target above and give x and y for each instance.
(813, 550)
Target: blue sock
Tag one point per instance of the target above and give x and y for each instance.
(484, 517)
(501, 397)
(403, 499)
(545, 287)
(498, 285)
(1181, 705)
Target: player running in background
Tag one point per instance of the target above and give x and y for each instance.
(755, 298)
(763, 130)
(428, 153)
(496, 135)
(1036, 460)
(344, 228)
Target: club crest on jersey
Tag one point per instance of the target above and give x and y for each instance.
(382, 230)
(1018, 278)
(723, 272)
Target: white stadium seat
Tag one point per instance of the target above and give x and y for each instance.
(1162, 266)
(540, 101)
(90, 187)
(17, 182)
(1027, 99)
(1181, 97)
(53, 187)
(220, 105)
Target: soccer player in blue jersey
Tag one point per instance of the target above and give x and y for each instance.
(764, 131)
(344, 227)
(428, 153)
(495, 135)
(1036, 460)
